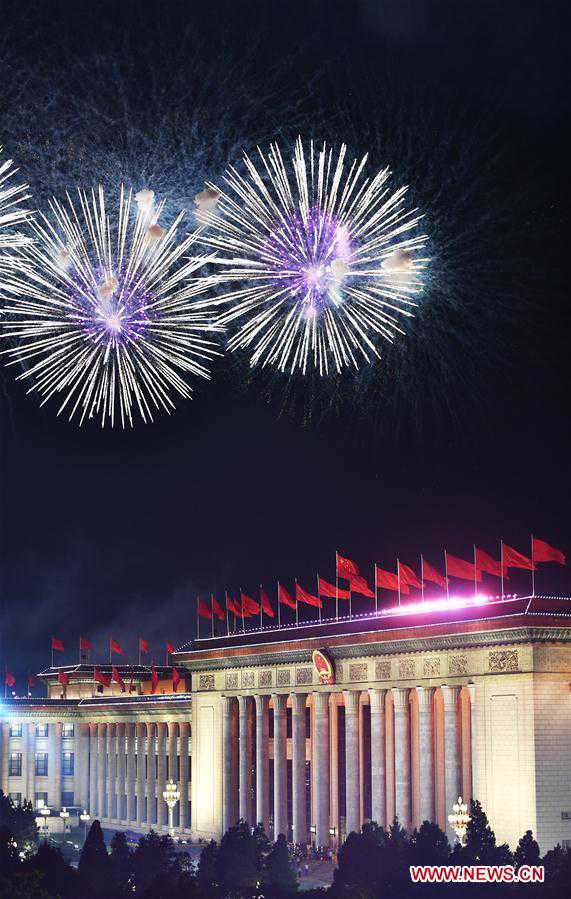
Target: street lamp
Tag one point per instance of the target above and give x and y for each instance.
(459, 820)
(44, 812)
(171, 796)
(64, 815)
(85, 817)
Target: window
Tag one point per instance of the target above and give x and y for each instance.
(15, 730)
(67, 731)
(40, 799)
(41, 730)
(15, 764)
(67, 764)
(41, 764)
(16, 798)
(67, 798)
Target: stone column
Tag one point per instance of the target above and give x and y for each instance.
(141, 731)
(93, 770)
(172, 750)
(130, 772)
(280, 765)
(245, 758)
(81, 765)
(473, 741)
(333, 766)
(30, 787)
(111, 770)
(321, 761)
(451, 757)
(121, 770)
(183, 750)
(161, 773)
(25, 758)
(425, 755)
(54, 765)
(402, 756)
(5, 751)
(299, 804)
(262, 761)
(378, 757)
(352, 783)
(151, 786)
(229, 751)
(101, 734)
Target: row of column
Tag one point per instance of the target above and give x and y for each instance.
(27, 744)
(238, 750)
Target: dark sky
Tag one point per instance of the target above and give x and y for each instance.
(116, 533)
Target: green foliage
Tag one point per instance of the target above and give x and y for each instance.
(155, 859)
(19, 819)
(121, 864)
(238, 860)
(94, 863)
(208, 869)
(278, 875)
(57, 877)
(527, 852)
(23, 885)
(481, 847)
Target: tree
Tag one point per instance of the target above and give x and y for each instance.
(155, 859)
(23, 885)
(19, 819)
(121, 864)
(527, 852)
(94, 863)
(429, 845)
(238, 860)
(481, 847)
(262, 841)
(58, 878)
(208, 869)
(278, 874)
(557, 863)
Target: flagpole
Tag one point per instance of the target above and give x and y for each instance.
(212, 612)
(139, 652)
(242, 610)
(502, 565)
(337, 585)
(398, 578)
(376, 592)
(475, 574)
(227, 619)
(197, 620)
(296, 605)
(350, 603)
(318, 596)
(52, 665)
(422, 574)
(446, 576)
(532, 570)
(261, 610)
(109, 651)
(279, 607)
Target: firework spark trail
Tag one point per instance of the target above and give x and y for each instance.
(102, 311)
(316, 266)
(12, 214)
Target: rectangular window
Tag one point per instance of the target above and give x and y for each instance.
(67, 764)
(41, 764)
(67, 731)
(15, 764)
(16, 798)
(40, 799)
(15, 730)
(67, 798)
(41, 730)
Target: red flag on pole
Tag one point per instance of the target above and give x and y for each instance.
(203, 610)
(9, 679)
(170, 647)
(302, 595)
(460, 568)
(233, 606)
(115, 647)
(359, 585)
(543, 552)
(175, 679)
(513, 559)
(407, 576)
(266, 605)
(324, 588)
(284, 597)
(431, 574)
(485, 562)
(117, 677)
(249, 605)
(63, 678)
(143, 645)
(346, 568)
(154, 680)
(31, 681)
(217, 609)
(84, 644)
(57, 645)
(101, 678)
(390, 581)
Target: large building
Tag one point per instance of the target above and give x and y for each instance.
(314, 729)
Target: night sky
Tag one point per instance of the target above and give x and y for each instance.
(462, 435)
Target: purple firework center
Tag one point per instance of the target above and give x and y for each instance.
(311, 258)
(116, 311)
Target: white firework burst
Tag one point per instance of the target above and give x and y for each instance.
(12, 213)
(100, 309)
(318, 261)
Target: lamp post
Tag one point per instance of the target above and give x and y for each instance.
(459, 820)
(171, 796)
(44, 812)
(85, 817)
(64, 815)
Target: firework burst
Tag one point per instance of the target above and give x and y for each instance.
(101, 309)
(317, 260)
(12, 214)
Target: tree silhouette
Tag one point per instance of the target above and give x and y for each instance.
(121, 864)
(278, 874)
(94, 864)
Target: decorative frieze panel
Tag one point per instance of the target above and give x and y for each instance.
(304, 675)
(248, 679)
(283, 677)
(232, 680)
(431, 667)
(457, 665)
(359, 671)
(383, 669)
(265, 679)
(503, 660)
(406, 668)
(206, 682)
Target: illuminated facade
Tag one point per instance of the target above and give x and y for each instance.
(317, 728)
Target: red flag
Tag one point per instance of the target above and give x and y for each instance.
(360, 585)
(203, 610)
(407, 576)
(431, 574)
(31, 681)
(485, 562)
(9, 679)
(390, 581)
(154, 680)
(513, 559)
(143, 645)
(118, 679)
(114, 646)
(233, 606)
(543, 552)
(170, 647)
(266, 605)
(284, 597)
(84, 644)
(57, 645)
(324, 588)
(175, 679)
(346, 568)
(302, 595)
(459, 568)
(249, 605)
(101, 678)
(63, 678)
(217, 609)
